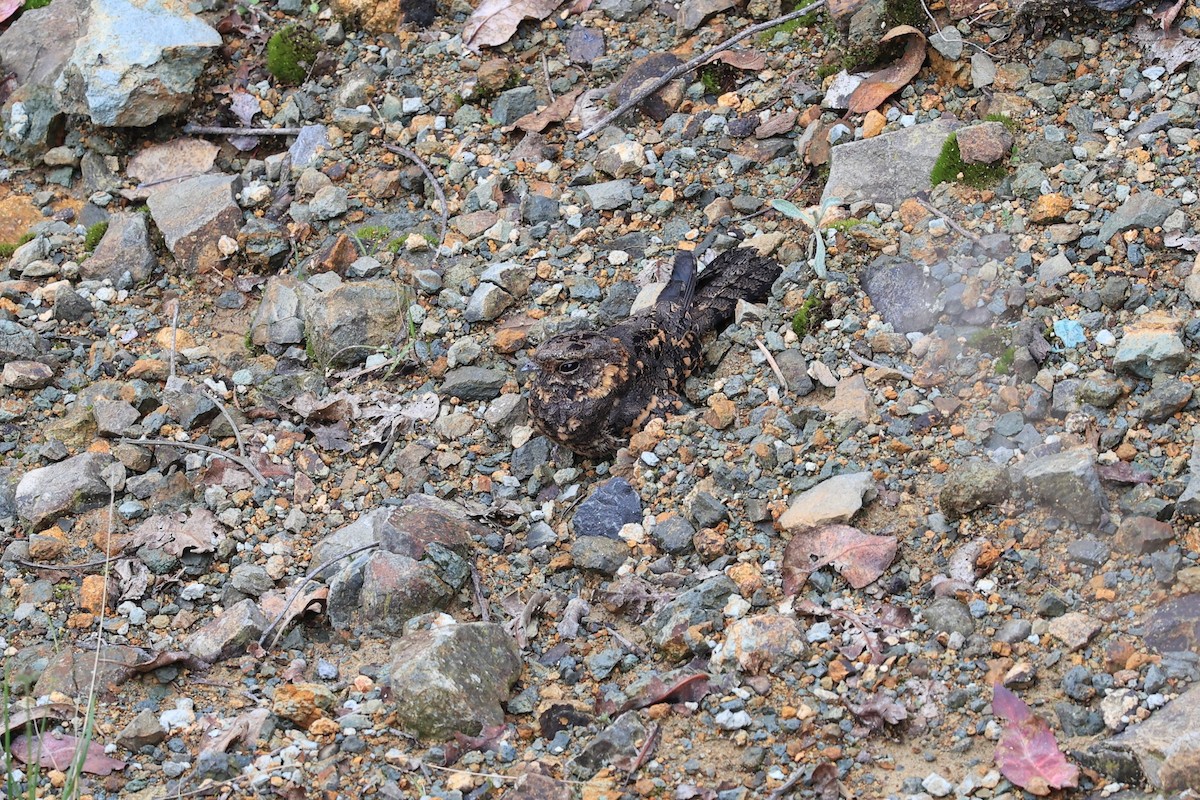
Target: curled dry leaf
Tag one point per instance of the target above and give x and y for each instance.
(17, 717)
(858, 557)
(825, 781)
(1027, 752)
(748, 60)
(559, 110)
(891, 79)
(1172, 48)
(9, 7)
(495, 21)
(200, 531)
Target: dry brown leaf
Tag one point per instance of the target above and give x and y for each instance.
(858, 557)
(1167, 15)
(245, 729)
(177, 532)
(1172, 49)
(776, 125)
(843, 8)
(748, 60)
(273, 603)
(495, 21)
(17, 717)
(891, 79)
(559, 110)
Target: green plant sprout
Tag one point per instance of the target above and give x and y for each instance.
(816, 242)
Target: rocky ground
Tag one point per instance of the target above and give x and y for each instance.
(274, 363)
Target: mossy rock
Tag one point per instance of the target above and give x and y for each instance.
(291, 52)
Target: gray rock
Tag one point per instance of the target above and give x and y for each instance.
(599, 554)
(1141, 210)
(668, 626)
(760, 644)
(18, 343)
(692, 13)
(228, 634)
(487, 302)
(1014, 630)
(983, 70)
(889, 168)
(114, 417)
(1166, 397)
(514, 104)
(613, 504)
(795, 371)
(1065, 482)
(902, 293)
(947, 615)
(1101, 389)
(973, 485)
(608, 195)
(26, 375)
(949, 42)
(584, 45)
(453, 679)
(984, 143)
(339, 322)
(251, 579)
(674, 535)
(70, 306)
(529, 456)
(616, 746)
(280, 316)
(45, 494)
(1091, 552)
(142, 730)
(1167, 746)
(194, 214)
(511, 276)
(706, 510)
(329, 202)
(473, 383)
(1151, 344)
(125, 247)
(137, 61)
(312, 140)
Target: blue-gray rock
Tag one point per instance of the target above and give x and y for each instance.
(947, 615)
(1166, 397)
(473, 383)
(584, 45)
(613, 504)
(889, 168)
(1141, 210)
(668, 627)
(137, 61)
(599, 554)
(973, 485)
(1066, 482)
(902, 293)
(76, 484)
(227, 635)
(18, 343)
(674, 534)
(514, 104)
(608, 195)
(124, 248)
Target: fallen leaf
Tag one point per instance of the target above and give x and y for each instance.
(245, 729)
(1191, 243)
(843, 8)
(559, 110)
(495, 21)
(1167, 15)
(331, 408)
(9, 7)
(1027, 752)
(169, 657)
(748, 60)
(19, 716)
(891, 79)
(333, 437)
(133, 578)
(858, 557)
(776, 125)
(825, 781)
(1173, 49)
(880, 711)
(177, 532)
(487, 740)
(274, 603)
(56, 750)
(690, 689)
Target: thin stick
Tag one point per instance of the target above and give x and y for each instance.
(932, 209)
(437, 188)
(218, 130)
(234, 457)
(174, 340)
(84, 565)
(787, 785)
(866, 362)
(546, 75)
(644, 753)
(698, 61)
(304, 585)
(774, 366)
(228, 418)
(477, 590)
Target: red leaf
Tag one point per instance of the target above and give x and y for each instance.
(859, 557)
(891, 79)
(1027, 752)
(747, 60)
(57, 750)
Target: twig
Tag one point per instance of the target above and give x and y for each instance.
(866, 362)
(477, 590)
(644, 753)
(932, 209)
(234, 457)
(84, 565)
(174, 340)
(546, 75)
(790, 192)
(774, 366)
(218, 130)
(787, 785)
(437, 188)
(228, 418)
(621, 640)
(683, 69)
(304, 585)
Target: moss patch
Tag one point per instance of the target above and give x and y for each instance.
(290, 53)
(94, 234)
(811, 314)
(951, 168)
(7, 249)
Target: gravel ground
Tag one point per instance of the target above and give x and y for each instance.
(995, 383)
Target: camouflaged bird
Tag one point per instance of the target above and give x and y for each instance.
(590, 390)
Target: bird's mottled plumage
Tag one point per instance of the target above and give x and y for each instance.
(590, 390)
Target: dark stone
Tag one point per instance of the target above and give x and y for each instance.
(904, 296)
(613, 504)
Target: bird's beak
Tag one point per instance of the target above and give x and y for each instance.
(530, 366)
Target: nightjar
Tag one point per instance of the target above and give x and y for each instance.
(590, 390)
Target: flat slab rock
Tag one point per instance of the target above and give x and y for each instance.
(889, 168)
(836, 499)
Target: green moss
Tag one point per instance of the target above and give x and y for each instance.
(808, 317)
(806, 21)
(1003, 119)
(904, 12)
(710, 77)
(94, 234)
(852, 222)
(951, 168)
(825, 70)
(395, 246)
(7, 249)
(990, 340)
(1003, 364)
(30, 5)
(27, 236)
(290, 53)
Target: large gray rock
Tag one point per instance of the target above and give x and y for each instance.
(194, 214)
(1141, 210)
(453, 679)
(903, 294)
(280, 316)
(1151, 345)
(18, 343)
(889, 168)
(45, 494)
(835, 499)
(125, 247)
(973, 485)
(1065, 482)
(1166, 747)
(338, 321)
(137, 61)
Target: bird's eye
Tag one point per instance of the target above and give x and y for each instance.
(567, 367)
